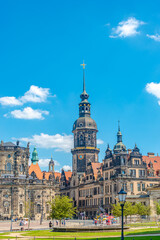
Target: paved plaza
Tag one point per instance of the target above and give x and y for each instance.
(6, 225)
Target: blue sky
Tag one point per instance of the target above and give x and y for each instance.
(42, 45)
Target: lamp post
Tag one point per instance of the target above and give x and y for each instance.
(122, 198)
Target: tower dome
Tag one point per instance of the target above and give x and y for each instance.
(34, 158)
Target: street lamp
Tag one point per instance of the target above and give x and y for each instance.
(122, 198)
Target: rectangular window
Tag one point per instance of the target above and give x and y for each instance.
(95, 201)
(107, 189)
(106, 176)
(138, 187)
(143, 186)
(136, 162)
(110, 188)
(107, 200)
(124, 185)
(95, 191)
(131, 186)
(133, 172)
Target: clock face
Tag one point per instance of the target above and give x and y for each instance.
(80, 156)
(6, 204)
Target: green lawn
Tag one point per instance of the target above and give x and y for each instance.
(147, 224)
(47, 233)
(107, 238)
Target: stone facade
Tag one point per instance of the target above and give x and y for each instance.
(25, 191)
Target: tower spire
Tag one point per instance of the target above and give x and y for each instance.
(83, 65)
(119, 134)
(118, 126)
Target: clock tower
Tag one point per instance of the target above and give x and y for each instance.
(85, 135)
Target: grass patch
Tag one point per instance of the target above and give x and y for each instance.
(47, 233)
(108, 238)
(6, 237)
(147, 224)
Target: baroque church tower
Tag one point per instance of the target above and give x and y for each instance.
(85, 135)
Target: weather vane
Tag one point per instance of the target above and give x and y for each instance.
(83, 64)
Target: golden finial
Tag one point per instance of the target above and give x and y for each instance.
(83, 64)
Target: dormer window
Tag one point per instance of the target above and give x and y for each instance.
(136, 162)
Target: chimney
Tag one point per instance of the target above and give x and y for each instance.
(129, 151)
(150, 154)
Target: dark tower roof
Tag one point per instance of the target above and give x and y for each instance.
(135, 152)
(119, 147)
(51, 161)
(84, 120)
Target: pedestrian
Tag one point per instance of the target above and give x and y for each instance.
(50, 224)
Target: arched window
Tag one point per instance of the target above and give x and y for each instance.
(22, 167)
(8, 167)
(81, 139)
(33, 175)
(38, 208)
(21, 208)
(57, 179)
(47, 208)
(50, 177)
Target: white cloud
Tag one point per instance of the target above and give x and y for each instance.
(126, 28)
(155, 37)
(34, 94)
(66, 168)
(45, 162)
(154, 89)
(11, 101)
(58, 142)
(99, 141)
(27, 113)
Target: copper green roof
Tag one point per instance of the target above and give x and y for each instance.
(34, 158)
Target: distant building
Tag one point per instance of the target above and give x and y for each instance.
(25, 191)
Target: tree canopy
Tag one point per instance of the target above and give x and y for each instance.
(130, 209)
(157, 208)
(62, 207)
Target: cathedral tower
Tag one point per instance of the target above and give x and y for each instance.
(85, 130)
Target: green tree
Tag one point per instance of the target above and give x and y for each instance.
(157, 205)
(129, 209)
(116, 210)
(62, 207)
(142, 209)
